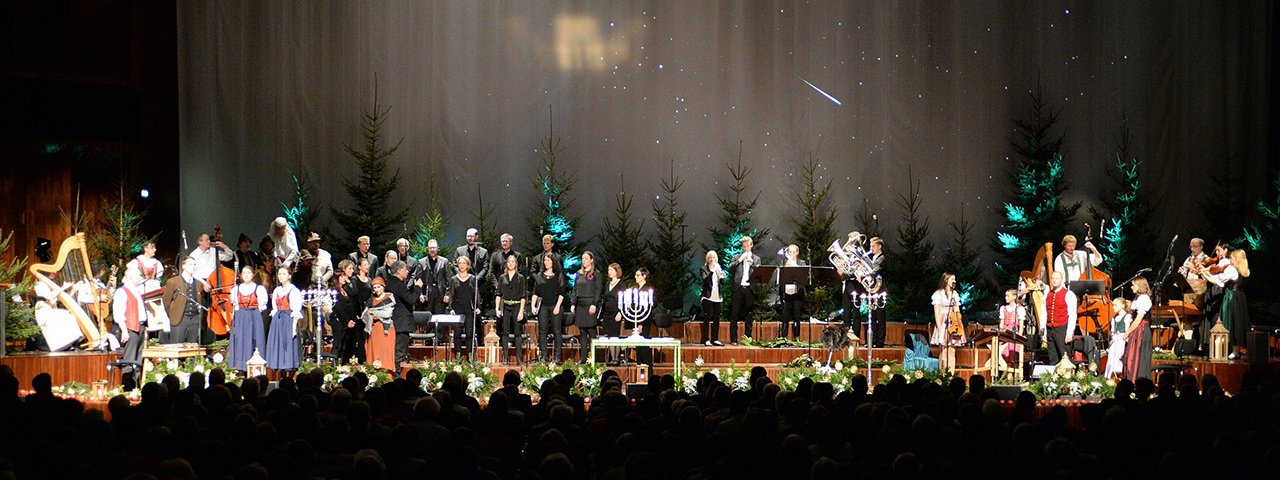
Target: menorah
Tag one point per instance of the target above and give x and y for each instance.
(869, 302)
(320, 300)
(635, 305)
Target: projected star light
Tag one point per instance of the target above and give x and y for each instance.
(825, 94)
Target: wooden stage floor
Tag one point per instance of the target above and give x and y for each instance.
(86, 367)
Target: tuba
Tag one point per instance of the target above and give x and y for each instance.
(855, 261)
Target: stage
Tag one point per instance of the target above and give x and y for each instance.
(87, 367)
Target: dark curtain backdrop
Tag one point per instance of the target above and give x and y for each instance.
(271, 88)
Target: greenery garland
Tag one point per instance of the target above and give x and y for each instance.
(156, 371)
(1080, 382)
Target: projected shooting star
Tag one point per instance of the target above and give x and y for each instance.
(825, 94)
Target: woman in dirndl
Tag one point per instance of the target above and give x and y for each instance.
(249, 300)
(283, 350)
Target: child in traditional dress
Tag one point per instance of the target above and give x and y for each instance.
(249, 299)
(1012, 316)
(1119, 326)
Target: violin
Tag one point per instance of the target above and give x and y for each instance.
(955, 324)
(221, 281)
(1211, 266)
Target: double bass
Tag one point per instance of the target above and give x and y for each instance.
(1097, 307)
(221, 281)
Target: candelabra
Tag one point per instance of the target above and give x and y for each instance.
(635, 305)
(320, 301)
(870, 302)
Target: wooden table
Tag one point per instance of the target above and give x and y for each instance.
(659, 342)
(177, 350)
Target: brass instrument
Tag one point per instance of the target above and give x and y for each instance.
(856, 261)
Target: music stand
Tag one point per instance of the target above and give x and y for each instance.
(996, 336)
(452, 321)
(1088, 287)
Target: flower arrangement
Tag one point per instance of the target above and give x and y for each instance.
(939, 377)
(838, 374)
(156, 371)
(335, 374)
(736, 377)
(81, 391)
(480, 379)
(587, 375)
(780, 343)
(1079, 382)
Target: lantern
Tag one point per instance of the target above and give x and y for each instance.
(99, 389)
(1218, 347)
(256, 365)
(642, 373)
(491, 345)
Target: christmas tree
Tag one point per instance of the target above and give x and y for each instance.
(551, 218)
(302, 213)
(1224, 208)
(119, 237)
(428, 227)
(961, 257)
(735, 216)
(868, 222)
(1128, 235)
(812, 229)
(669, 249)
(1260, 236)
(19, 320)
(370, 213)
(1034, 213)
(487, 234)
(909, 268)
(621, 237)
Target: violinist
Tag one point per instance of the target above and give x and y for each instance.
(1213, 293)
(1071, 262)
(1234, 313)
(948, 329)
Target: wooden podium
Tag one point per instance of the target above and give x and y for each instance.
(995, 337)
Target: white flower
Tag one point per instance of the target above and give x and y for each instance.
(199, 368)
(218, 358)
(853, 369)
(817, 364)
(919, 374)
(839, 365)
(741, 383)
(184, 378)
(698, 361)
(377, 364)
(328, 378)
(486, 370)
(172, 364)
(457, 368)
(715, 371)
(1074, 388)
(886, 370)
(690, 386)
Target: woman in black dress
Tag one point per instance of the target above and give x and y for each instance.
(586, 301)
(462, 295)
(548, 295)
(610, 316)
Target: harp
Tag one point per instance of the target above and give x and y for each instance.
(72, 265)
(1034, 279)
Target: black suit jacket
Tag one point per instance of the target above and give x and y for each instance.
(735, 268)
(406, 297)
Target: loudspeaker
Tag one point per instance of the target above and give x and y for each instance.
(1039, 369)
(1259, 347)
(1184, 347)
(637, 391)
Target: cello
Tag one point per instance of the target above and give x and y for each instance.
(1096, 306)
(221, 281)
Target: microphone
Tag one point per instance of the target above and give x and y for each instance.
(782, 252)
(1145, 270)
(1175, 238)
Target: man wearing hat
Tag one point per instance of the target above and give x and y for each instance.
(245, 256)
(321, 263)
